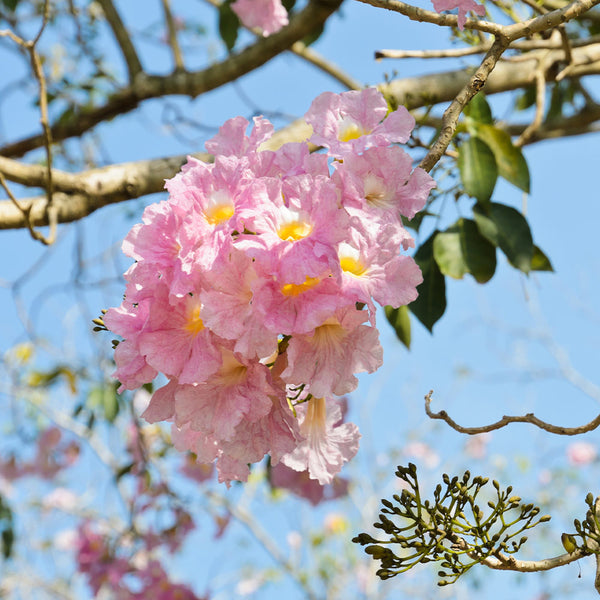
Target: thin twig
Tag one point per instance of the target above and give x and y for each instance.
(264, 540)
(145, 87)
(525, 45)
(39, 75)
(172, 29)
(327, 66)
(36, 65)
(506, 420)
(134, 66)
(452, 113)
(311, 56)
(540, 107)
(50, 215)
(535, 6)
(420, 14)
(448, 53)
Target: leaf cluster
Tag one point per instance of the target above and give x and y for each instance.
(469, 246)
(452, 529)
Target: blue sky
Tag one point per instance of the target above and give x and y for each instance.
(483, 359)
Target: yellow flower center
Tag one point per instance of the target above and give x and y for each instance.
(294, 231)
(232, 372)
(294, 289)
(218, 213)
(194, 323)
(352, 265)
(349, 130)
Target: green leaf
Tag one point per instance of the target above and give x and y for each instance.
(462, 249)
(479, 110)
(111, 405)
(526, 99)
(7, 533)
(11, 4)
(105, 398)
(478, 169)
(229, 24)
(431, 302)
(539, 261)
(8, 539)
(509, 159)
(124, 470)
(508, 229)
(399, 319)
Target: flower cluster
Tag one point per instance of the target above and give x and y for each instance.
(254, 286)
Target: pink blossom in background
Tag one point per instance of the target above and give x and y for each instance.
(195, 470)
(423, 452)
(248, 284)
(300, 484)
(581, 453)
(464, 6)
(476, 445)
(268, 15)
(53, 454)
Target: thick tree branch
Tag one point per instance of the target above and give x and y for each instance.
(506, 420)
(186, 83)
(93, 189)
(82, 194)
(311, 56)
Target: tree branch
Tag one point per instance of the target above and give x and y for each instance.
(93, 189)
(82, 194)
(172, 35)
(311, 56)
(502, 562)
(452, 113)
(506, 420)
(185, 83)
(422, 15)
(134, 66)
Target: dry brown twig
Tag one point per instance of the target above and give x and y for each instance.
(507, 420)
(172, 36)
(36, 64)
